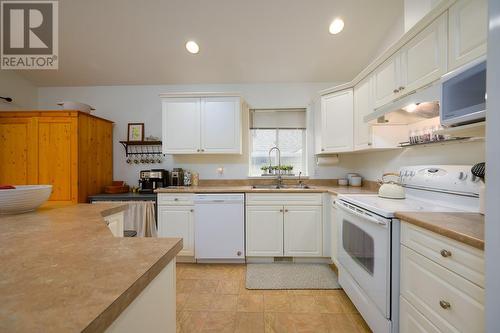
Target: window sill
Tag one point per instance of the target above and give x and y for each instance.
(274, 177)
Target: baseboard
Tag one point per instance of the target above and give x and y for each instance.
(220, 261)
(186, 259)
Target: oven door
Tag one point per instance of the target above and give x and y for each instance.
(364, 251)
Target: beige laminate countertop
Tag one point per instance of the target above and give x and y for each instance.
(467, 228)
(248, 189)
(63, 271)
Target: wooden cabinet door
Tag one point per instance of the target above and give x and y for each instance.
(181, 125)
(221, 125)
(363, 105)
(58, 156)
(387, 81)
(264, 231)
(423, 59)
(303, 231)
(468, 31)
(337, 122)
(178, 222)
(18, 151)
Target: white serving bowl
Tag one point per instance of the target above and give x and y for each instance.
(24, 198)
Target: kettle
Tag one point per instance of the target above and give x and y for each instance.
(390, 186)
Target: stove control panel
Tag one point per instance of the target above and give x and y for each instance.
(453, 178)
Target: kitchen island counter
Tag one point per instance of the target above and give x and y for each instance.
(63, 271)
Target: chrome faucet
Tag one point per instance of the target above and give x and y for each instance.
(279, 179)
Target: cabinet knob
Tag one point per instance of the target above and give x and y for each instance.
(191, 210)
(286, 210)
(445, 305)
(238, 253)
(176, 199)
(281, 210)
(445, 253)
(322, 149)
(401, 88)
(395, 91)
(198, 150)
(202, 149)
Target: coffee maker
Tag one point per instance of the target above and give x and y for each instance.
(177, 177)
(150, 180)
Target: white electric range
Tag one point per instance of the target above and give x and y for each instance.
(368, 250)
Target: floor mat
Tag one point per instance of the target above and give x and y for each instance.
(291, 276)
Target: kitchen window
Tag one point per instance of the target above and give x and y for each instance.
(282, 128)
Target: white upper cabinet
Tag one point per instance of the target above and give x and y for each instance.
(181, 125)
(387, 80)
(423, 59)
(363, 105)
(467, 31)
(419, 62)
(221, 125)
(337, 122)
(202, 125)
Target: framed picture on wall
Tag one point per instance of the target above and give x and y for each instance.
(135, 132)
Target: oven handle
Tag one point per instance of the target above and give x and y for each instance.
(345, 207)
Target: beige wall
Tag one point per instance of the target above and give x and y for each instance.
(24, 93)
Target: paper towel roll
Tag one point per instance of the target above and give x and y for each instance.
(327, 160)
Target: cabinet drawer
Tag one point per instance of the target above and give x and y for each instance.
(450, 302)
(412, 321)
(460, 258)
(272, 199)
(182, 199)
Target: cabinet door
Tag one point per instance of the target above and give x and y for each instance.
(412, 321)
(363, 105)
(334, 232)
(387, 81)
(58, 156)
(181, 125)
(115, 223)
(337, 122)
(178, 222)
(423, 59)
(221, 125)
(18, 151)
(303, 231)
(264, 231)
(468, 29)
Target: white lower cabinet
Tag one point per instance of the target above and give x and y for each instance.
(178, 222)
(115, 223)
(412, 321)
(275, 228)
(435, 297)
(303, 231)
(334, 230)
(264, 231)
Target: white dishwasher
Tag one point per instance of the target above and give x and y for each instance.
(219, 227)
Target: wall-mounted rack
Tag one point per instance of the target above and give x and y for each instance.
(440, 142)
(142, 147)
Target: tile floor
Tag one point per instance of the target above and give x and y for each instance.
(213, 298)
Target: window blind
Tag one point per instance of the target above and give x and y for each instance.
(278, 118)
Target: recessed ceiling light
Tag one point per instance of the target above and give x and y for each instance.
(336, 26)
(192, 47)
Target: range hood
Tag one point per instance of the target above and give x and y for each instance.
(419, 105)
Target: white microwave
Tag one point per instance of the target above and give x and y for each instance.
(463, 95)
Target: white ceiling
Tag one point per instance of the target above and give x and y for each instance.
(113, 42)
